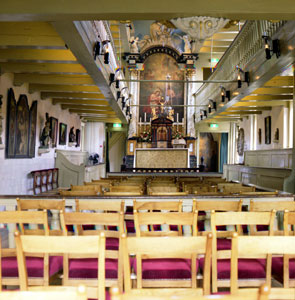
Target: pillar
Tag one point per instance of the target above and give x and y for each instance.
(289, 183)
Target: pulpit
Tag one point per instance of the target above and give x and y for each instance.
(161, 132)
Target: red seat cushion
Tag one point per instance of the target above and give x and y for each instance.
(87, 268)
(277, 268)
(34, 266)
(247, 268)
(112, 244)
(166, 268)
(223, 244)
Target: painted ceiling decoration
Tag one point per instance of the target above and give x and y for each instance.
(198, 29)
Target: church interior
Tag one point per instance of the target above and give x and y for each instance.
(147, 150)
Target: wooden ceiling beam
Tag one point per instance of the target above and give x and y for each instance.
(268, 97)
(14, 67)
(45, 95)
(62, 88)
(88, 107)
(241, 113)
(261, 103)
(101, 102)
(37, 54)
(273, 90)
(249, 108)
(92, 111)
(280, 81)
(21, 78)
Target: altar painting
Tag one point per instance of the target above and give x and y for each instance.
(160, 98)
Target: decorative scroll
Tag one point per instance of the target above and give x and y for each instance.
(199, 29)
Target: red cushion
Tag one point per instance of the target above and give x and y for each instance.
(247, 268)
(166, 268)
(87, 268)
(277, 268)
(112, 244)
(34, 266)
(223, 244)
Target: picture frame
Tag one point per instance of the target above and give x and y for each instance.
(267, 125)
(78, 137)
(53, 131)
(62, 134)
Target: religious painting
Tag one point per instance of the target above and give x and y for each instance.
(267, 125)
(10, 125)
(259, 136)
(62, 134)
(161, 98)
(33, 129)
(20, 127)
(78, 137)
(53, 131)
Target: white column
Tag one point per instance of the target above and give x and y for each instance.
(134, 90)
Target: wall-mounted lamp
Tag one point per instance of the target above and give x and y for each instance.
(227, 95)
(118, 95)
(212, 105)
(123, 102)
(96, 50)
(242, 76)
(112, 78)
(106, 57)
(205, 113)
(117, 83)
(223, 91)
(271, 47)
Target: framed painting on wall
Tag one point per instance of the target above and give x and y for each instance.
(62, 134)
(32, 132)
(267, 124)
(53, 131)
(78, 137)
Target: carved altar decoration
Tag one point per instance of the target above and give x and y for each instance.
(161, 132)
(199, 29)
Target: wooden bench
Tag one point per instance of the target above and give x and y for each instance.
(44, 180)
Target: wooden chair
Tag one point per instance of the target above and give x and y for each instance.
(283, 268)
(220, 263)
(78, 193)
(152, 249)
(204, 208)
(54, 206)
(160, 224)
(238, 189)
(69, 246)
(147, 213)
(97, 188)
(112, 225)
(259, 247)
(78, 293)
(280, 206)
(153, 295)
(40, 267)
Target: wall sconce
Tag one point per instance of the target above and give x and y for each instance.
(246, 77)
(205, 113)
(112, 78)
(118, 95)
(117, 83)
(123, 102)
(106, 57)
(275, 49)
(96, 50)
(212, 105)
(227, 95)
(222, 93)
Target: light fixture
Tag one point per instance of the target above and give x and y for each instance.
(205, 113)
(117, 83)
(246, 77)
(112, 78)
(96, 49)
(222, 93)
(118, 95)
(275, 49)
(212, 105)
(123, 102)
(227, 95)
(106, 57)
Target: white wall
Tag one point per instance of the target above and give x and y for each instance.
(14, 173)
(277, 121)
(94, 138)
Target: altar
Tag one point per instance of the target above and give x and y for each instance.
(161, 158)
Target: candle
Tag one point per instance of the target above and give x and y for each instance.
(145, 117)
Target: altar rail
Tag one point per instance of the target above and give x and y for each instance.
(9, 203)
